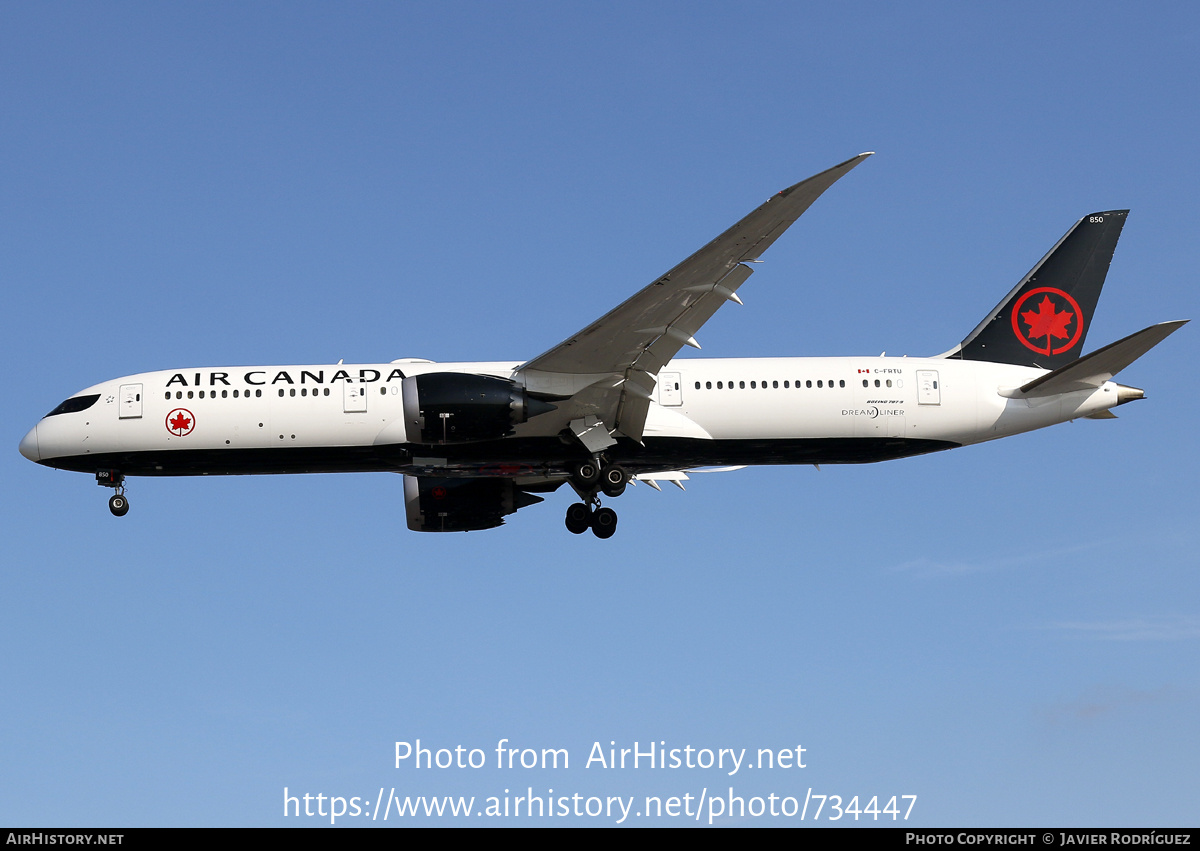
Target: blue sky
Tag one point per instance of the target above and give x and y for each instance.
(1009, 631)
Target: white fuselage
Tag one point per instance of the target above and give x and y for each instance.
(737, 410)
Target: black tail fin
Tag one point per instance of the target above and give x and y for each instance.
(1044, 320)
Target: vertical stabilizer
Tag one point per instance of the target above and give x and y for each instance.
(1044, 320)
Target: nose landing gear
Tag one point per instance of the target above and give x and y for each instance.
(118, 504)
(587, 478)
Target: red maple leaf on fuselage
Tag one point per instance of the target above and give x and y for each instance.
(1047, 322)
(180, 423)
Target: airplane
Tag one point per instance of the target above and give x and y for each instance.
(612, 405)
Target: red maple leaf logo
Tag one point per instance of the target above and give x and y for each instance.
(1047, 322)
(180, 422)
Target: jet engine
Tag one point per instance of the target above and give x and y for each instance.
(457, 407)
(461, 505)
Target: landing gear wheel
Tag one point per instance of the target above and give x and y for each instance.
(613, 480)
(604, 523)
(114, 479)
(586, 472)
(579, 518)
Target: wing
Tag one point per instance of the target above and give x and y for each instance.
(606, 373)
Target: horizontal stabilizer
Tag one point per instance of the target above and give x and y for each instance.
(1091, 371)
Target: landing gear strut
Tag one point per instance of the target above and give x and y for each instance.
(118, 504)
(588, 477)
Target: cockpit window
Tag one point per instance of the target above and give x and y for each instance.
(75, 404)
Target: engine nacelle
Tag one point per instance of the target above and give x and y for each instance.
(456, 407)
(461, 505)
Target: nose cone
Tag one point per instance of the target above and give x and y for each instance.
(29, 445)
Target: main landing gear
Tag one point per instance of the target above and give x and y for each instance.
(581, 517)
(118, 504)
(587, 478)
